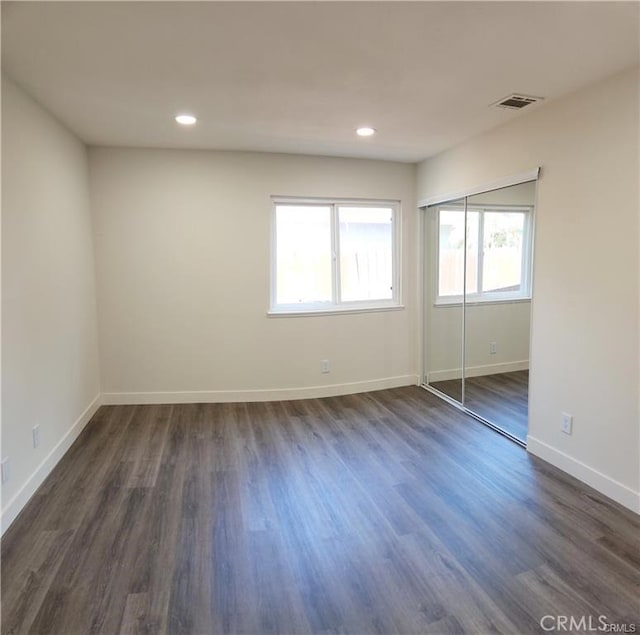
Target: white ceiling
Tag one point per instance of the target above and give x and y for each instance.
(300, 76)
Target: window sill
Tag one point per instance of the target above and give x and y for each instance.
(454, 303)
(274, 313)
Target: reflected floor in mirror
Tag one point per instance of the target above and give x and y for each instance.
(501, 399)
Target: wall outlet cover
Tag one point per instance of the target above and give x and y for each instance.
(567, 423)
(6, 470)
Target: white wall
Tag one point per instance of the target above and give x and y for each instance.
(182, 242)
(49, 326)
(584, 353)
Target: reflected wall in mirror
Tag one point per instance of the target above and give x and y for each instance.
(477, 291)
(498, 306)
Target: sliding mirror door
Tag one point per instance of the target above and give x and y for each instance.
(498, 306)
(444, 261)
(478, 253)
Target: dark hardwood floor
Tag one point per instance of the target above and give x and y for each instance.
(501, 398)
(376, 513)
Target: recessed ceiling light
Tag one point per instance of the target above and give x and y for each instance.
(365, 131)
(186, 120)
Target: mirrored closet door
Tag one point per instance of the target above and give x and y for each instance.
(478, 253)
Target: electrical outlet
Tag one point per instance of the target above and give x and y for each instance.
(493, 348)
(324, 366)
(36, 436)
(567, 423)
(6, 470)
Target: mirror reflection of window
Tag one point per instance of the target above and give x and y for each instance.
(497, 271)
(503, 251)
(451, 250)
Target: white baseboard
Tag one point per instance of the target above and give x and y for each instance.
(268, 394)
(599, 481)
(478, 371)
(22, 496)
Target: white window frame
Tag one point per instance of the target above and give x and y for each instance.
(337, 305)
(481, 297)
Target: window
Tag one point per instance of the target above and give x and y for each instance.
(334, 255)
(498, 258)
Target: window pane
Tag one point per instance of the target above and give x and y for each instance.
(473, 223)
(503, 240)
(451, 252)
(303, 261)
(366, 253)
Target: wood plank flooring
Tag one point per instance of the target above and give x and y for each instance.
(384, 512)
(501, 398)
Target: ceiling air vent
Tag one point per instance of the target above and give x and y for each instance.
(516, 102)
